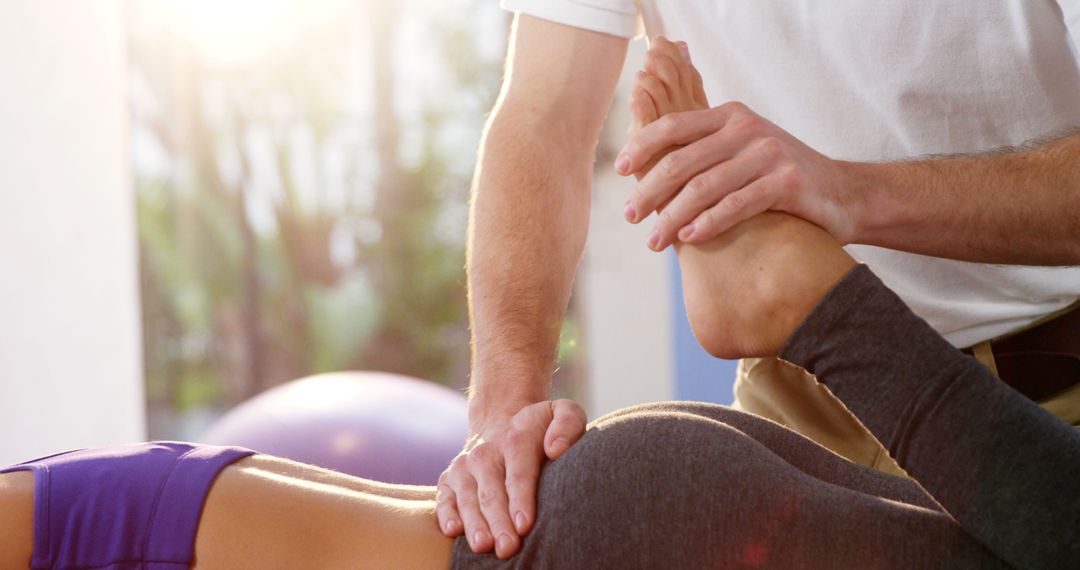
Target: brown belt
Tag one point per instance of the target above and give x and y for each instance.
(1042, 361)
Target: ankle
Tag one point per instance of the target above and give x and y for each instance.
(747, 290)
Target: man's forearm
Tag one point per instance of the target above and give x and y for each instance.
(1014, 207)
(528, 223)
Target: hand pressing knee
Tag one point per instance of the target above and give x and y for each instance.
(653, 489)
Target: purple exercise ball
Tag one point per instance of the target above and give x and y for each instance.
(374, 425)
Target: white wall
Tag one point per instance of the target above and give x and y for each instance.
(70, 364)
(626, 287)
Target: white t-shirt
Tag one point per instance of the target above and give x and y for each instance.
(879, 80)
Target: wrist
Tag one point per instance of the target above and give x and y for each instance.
(866, 193)
(495, 398)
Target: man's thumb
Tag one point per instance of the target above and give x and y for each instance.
(566, 428)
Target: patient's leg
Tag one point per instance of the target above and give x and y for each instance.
(264, 512)
(16, 519)
(670, 486)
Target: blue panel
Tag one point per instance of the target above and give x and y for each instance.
(698, 375)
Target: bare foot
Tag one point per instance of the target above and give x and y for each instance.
(748, 289)
(650, 98)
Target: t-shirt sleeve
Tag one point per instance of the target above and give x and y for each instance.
(615, 17)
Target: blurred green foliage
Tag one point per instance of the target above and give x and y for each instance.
(286, 225)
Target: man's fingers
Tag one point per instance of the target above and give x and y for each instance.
(522, 457)
(743, 204)
(492, 484)
(446, 509)
(647, 102)
(675, 169)
(674, 129)
(664, 179)
(705, 190)
(474, 524)
(567, 426)
(492, 500)
(677, 129)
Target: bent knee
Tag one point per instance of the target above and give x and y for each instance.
(648, 470)
(666, 437)
(17, 519)
(648, 463)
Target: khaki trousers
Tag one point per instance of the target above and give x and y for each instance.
(791, 396)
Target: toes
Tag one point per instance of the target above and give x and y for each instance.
(654, 88)
(658, 63)
(642, 109)
(684, 51)
(670, 62)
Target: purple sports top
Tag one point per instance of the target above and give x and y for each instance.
(129, 507)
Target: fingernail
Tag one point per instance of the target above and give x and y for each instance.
(449, 526)
(560, 442)
(504, 541)
(629, 212)
(685, 233)
(478, 538)
(519, 521)
(654, 239)
(622, 164)
(685, 51)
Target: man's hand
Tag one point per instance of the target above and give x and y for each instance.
(1012, 206)
(734, 165)
(489, 490)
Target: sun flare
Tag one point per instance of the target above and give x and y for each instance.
(234, 32)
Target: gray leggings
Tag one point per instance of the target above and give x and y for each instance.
(684, 485)
(693, 485)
